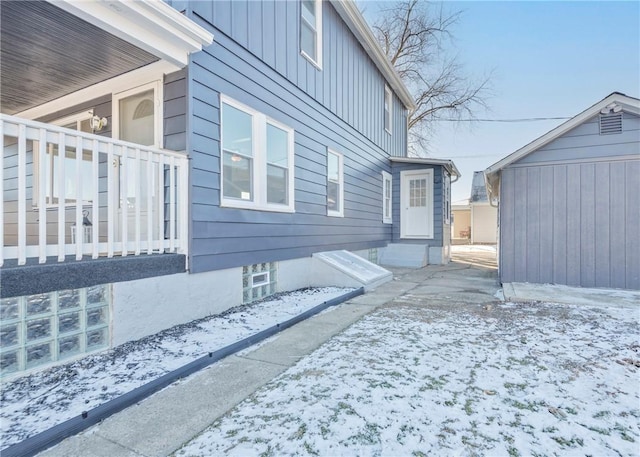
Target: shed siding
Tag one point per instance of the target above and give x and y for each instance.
(275, 80)
(439, 228)
(585, 142)
(576, 224)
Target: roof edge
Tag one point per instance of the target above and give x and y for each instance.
(447, 163)
(352, 16)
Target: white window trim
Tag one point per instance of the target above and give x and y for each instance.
(157, 110)
(259, 156)
(386, 178)
(388, 100)
(318, 29)
(77, 117)
(340, 213)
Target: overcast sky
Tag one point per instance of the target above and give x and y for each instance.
(549, 59)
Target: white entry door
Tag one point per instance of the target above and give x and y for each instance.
(416, 197)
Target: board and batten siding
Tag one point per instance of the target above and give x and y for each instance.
(569, 215)
(440, 230)
(265, 71)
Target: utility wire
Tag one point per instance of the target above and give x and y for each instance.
(528, 119)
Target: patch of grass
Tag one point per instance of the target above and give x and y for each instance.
(302, 430)
(601, 414)
(418, 454)
(433, 383)
(467, 407)
(623, 433)
(549, 429)
(513, 452)
(370, 435)
(309, 449)
(516, 386)
(518, 404)
(571, 411)
(232, 433)
(568, 443)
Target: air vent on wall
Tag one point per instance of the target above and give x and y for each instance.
(610, 123)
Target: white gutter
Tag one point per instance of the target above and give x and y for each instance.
(351, 15)
(151, 25)
(448, 164)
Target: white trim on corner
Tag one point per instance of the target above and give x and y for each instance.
(151, 72)
(151, 25)
(388, 109)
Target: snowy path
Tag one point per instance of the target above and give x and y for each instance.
(494, 379)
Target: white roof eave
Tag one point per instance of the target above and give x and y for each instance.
(351, 15)
(447, 163)
(151, 25)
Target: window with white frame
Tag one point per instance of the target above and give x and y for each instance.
(388, 102)
(311, 30)
(335, 184)
(447, 198)
(386, 198)
(53, 161)
(257, 159)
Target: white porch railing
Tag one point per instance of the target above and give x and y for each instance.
(136, 195)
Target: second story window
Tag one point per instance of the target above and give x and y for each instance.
(311, 31)
(388, 100)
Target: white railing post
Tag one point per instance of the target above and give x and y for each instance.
(111, 199)
(2, 193)
(184, 205)
(22, 194)
(124, 201)
(137, 200)
(149, 202)
(172, 204)
(42, 197)
(95, 229)
(161, 203)
(62, 150)
(78, 187)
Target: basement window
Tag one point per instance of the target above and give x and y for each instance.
(38, 330)
(258, 281)
(610, 123)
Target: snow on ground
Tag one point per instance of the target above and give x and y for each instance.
(499, 379)
(34, 403)
(473, 248)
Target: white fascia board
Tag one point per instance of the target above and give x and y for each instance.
(448, 164)
(351, 15)
(629, 104)
(151, 25)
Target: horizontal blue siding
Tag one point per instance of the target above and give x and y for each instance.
(238, 67)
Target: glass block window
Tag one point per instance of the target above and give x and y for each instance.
(258, 281)
(39, 329)
(373, 255)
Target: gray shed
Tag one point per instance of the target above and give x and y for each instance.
(569, 202)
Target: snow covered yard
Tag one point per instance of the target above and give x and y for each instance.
(34, 403)
(499, 379)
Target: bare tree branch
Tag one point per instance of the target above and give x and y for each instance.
(413, 34)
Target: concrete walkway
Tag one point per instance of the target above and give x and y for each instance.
(164, 422)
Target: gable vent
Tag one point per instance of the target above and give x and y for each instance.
(610, 123)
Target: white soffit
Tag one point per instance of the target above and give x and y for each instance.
(151, 25)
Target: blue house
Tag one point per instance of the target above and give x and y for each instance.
(163, 161)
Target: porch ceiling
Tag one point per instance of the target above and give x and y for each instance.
(46, 53)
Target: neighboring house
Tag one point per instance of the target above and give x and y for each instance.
(215, 146)
(569, 211)
(477, 221)
(461, 224)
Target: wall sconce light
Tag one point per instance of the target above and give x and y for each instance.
(96, 123)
